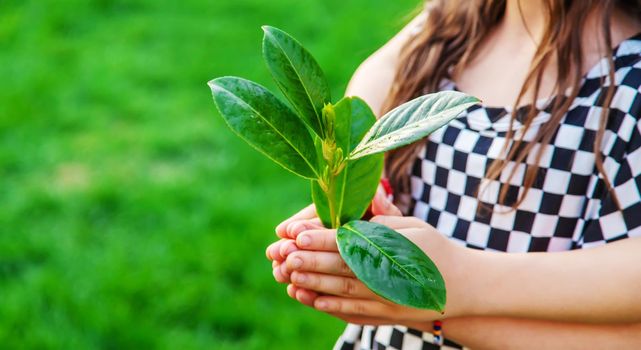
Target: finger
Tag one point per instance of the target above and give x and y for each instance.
(273, 250)
(298, 226)
(291, 291)
(278, 276)
(321, 262)
(308, 212)
(324, 240)
(382, 205)
(286, 248)
(399, 222)
(354, 307)
(334, 285)
(306, 297)
(284, 272)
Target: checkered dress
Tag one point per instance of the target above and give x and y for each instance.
(567, 208)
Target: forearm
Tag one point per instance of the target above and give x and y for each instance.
(503, 333)
(598, 285)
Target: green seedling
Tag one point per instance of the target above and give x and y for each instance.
(339, 147)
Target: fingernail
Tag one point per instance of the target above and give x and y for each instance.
(300, 278)
(322, 305)
(291, 291)
(304, 241)
(297, 262)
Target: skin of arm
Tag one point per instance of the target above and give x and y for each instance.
(373, 79)
(481, 333)
(589, 286)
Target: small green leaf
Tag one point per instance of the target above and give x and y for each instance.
(267, 124)
(413, 121)
(361, 176)
(298, 76)
(359, 183)
(356, 184)
(354, 190)
(391, 265)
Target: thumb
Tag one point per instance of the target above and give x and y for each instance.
(382, 205)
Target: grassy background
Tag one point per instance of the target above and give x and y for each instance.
(130, 216)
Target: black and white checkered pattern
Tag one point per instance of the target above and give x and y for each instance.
(568, 206)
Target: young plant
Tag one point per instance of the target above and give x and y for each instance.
(339, 147)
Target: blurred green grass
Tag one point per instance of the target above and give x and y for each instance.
(131, 217)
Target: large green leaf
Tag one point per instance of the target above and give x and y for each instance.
(356, 184)
(298, 75)
(267, 124)
(413, 121)
(391, 265)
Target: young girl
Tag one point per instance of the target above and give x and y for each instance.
(551, 162)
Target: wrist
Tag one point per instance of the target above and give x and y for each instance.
(465, 272)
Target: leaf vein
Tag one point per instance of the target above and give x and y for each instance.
(241, 101)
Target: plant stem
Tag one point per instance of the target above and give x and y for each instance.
(331, 200)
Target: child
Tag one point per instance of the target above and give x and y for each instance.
(551, 162)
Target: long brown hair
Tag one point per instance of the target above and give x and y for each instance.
(454, 30)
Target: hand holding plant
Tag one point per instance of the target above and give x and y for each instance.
(320, 278)
(340, 147)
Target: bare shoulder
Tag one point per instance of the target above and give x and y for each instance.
(374, 77)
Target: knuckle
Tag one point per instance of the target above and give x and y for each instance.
(314, 281)
(359, 308)
(343, 269)
(328, 239)
(324, 241)
(316, 224)
(339, 307)
(348, 287)
(311, 262)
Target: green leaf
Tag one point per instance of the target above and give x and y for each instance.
(353, 119)
(354, 190)
(298, 76)
(356, 184)
(266, 123)
(391, 265)
(361, 176)
(413, 121)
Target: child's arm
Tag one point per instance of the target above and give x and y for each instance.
(374, 77)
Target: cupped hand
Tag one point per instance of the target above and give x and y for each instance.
(321, 279)
(307, 219)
